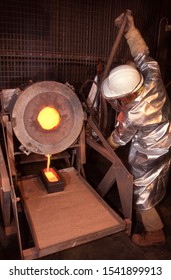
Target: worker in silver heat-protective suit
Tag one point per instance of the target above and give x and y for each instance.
(144, 118)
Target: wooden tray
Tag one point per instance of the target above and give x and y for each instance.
(66, 219)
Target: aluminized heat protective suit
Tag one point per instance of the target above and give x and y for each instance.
(147, 122)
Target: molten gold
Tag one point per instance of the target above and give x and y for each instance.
(49, 118)
(51, 175)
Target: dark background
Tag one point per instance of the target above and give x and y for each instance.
(63, 40)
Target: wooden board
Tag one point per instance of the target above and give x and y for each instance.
(5, 192)
(65, 219)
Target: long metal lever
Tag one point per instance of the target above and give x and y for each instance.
(115, 45)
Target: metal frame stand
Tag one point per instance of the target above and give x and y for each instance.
(116, 173)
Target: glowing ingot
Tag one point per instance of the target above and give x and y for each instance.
(51, 175)
(52, 180)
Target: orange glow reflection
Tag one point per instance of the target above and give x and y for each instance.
(51, 175)
(49, 118)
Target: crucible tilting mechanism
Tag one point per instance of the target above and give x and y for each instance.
(57, 220)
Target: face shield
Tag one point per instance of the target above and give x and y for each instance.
(119, 104)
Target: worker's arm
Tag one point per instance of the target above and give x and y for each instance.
(134, 39)
(123, 133)
(148, 67)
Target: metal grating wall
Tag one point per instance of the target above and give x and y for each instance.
(62, 40)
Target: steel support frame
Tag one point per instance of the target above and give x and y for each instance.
(117, 173)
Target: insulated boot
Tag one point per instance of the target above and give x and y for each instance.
(149, 238)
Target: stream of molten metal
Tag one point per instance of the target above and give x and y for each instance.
(49, 172)
(48, 162)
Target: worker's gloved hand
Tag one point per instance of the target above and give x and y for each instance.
(111, 142)
(134, 39)
(129, 24)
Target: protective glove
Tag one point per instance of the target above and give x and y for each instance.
(134, 39)
(112, 143)
(129, 24)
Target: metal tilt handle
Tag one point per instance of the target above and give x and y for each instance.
(104, 114)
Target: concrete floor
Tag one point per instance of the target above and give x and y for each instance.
(114, 247)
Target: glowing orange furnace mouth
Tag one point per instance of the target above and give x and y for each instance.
(49, 118)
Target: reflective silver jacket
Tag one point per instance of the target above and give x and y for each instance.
(146, 121)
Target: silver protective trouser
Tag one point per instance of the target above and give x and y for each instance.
(146, 122)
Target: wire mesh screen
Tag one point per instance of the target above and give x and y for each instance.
(62, 40)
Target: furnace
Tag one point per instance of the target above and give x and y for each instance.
(49, 98)
(45, 120)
